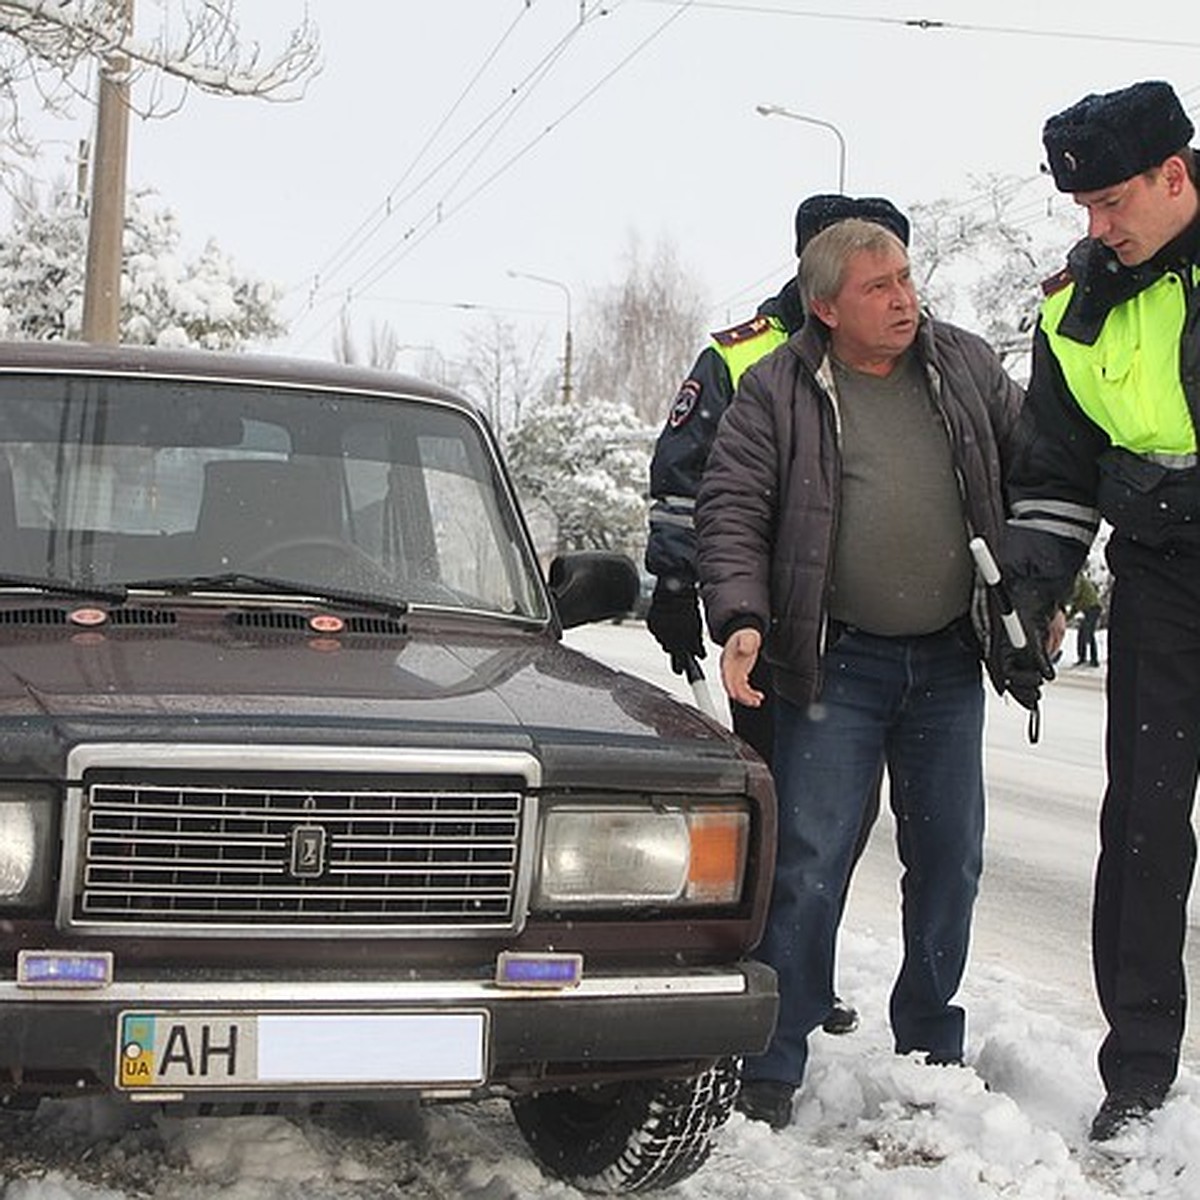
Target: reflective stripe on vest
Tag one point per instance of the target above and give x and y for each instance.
(745, 354)
(1128, 381)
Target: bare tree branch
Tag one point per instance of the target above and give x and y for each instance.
(979, 260)
(50, 50)
(208, 54)
(641, 334)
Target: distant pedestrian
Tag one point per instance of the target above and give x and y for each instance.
(1085, 607)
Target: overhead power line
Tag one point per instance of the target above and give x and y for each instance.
(438, 213)
(935, 24)
(404, 246)
(514, 99)
(383, 209)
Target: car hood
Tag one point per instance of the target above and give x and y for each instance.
(458, 681)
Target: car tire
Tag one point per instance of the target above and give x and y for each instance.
(631, 1136)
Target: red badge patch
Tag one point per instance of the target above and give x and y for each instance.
(685, 403)
(743, 332)
(1057, 282)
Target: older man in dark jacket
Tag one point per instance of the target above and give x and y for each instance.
(834, 520)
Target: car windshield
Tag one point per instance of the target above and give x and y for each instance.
(109, 480)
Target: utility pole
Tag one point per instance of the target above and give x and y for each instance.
(568, 386)
(106, 215)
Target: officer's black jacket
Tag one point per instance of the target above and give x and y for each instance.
(685, 441)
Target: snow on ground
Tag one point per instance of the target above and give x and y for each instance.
(869, 1126)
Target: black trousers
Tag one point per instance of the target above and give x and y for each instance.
(1147, 847)
(1086, 649)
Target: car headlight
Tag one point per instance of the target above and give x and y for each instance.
(26, 820)
(632, 856)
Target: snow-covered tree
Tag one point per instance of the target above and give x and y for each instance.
(586, 463)
(979, 261)
(49, 48)
(165, 300)
(197, 43)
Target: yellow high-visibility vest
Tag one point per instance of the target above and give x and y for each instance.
(744, 345)
(1128, 381)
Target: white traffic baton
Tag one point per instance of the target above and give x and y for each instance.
(989, 570)
(704, 700)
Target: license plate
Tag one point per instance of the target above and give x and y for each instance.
(222, 1050)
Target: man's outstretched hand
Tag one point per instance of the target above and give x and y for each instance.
(738, 657)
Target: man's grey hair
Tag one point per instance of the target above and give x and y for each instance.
(824, 260)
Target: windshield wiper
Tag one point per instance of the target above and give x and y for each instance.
(241, 581)
(115, 593)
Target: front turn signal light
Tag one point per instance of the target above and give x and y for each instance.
(718, 855)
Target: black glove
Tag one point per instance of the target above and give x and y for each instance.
(1024, 673)
(674, 619)
(1026, 669)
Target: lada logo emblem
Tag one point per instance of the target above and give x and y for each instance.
(306, 857)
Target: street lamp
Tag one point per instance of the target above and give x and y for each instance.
(566, 291)
(775, 110)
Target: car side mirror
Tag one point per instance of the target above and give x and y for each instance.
(592, 585)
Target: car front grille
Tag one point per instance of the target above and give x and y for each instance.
(428, 852)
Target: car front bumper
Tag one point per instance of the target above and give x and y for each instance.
(270, 1039)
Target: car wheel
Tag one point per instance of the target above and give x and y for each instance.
(627, 1137)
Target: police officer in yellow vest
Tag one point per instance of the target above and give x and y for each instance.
(1111, 418)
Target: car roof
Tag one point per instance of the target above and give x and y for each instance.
(259, 369)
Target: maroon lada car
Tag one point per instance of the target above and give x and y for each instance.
(302, 797)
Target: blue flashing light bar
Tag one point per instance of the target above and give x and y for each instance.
(533, 970)
(64, 969)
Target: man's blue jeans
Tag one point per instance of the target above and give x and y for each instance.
(916, 704)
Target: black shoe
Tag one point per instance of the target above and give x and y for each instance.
(766, 1100)
(1119, 1111)
(933, 1059)
(841, 1018)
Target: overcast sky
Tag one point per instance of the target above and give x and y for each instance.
(445, 145)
